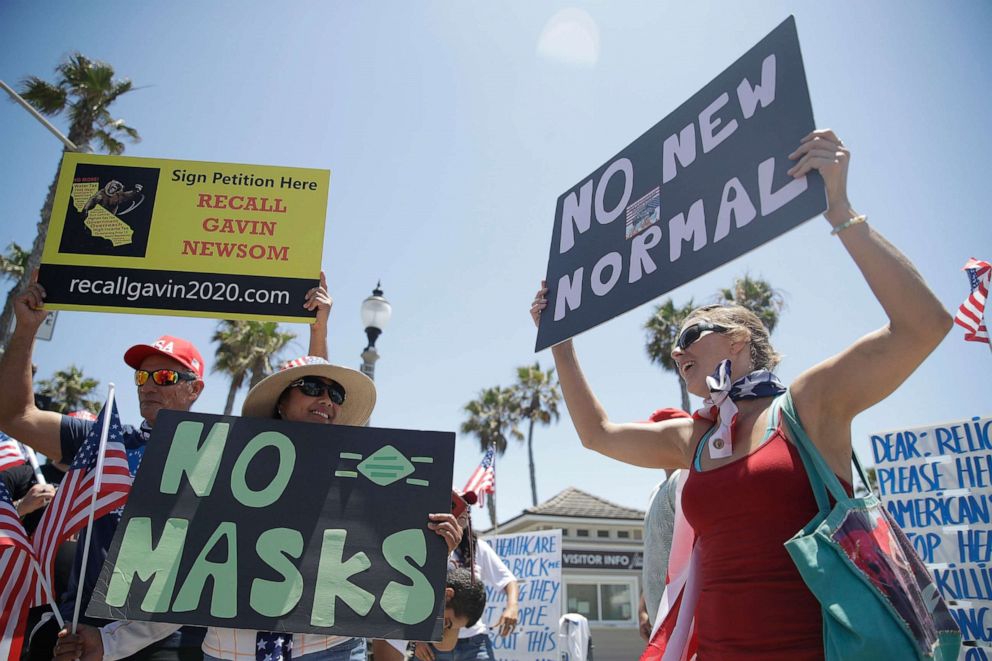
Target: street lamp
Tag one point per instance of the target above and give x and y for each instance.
(376, 312)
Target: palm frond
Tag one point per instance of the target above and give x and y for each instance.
(46, 98)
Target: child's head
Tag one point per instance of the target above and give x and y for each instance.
(464, 602)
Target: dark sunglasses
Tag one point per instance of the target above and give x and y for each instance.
(162, 377)
(314, 387)
(693, 333)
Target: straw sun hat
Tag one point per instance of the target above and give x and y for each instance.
(359, 390)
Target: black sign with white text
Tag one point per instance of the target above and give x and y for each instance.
(280, 526)
(701, 187)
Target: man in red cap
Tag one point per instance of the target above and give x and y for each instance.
(169, 375)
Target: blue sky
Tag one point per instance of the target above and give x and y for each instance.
(450, 129)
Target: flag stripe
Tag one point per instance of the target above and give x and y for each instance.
(68, 512)
(17, 577)
(971, 313)
(483, 480)
(10, 452)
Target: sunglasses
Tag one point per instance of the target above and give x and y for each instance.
(162, 377)
(314, 387)
(694, 332)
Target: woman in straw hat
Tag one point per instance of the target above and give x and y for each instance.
(307, 389)
(747, 491)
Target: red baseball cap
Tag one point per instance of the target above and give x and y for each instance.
(176, 348)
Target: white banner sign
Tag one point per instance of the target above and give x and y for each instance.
(535, 559)
(937, 483)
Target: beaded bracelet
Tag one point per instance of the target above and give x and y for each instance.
(857, 220)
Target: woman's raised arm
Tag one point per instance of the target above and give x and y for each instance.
(829, 395)
(652, 445)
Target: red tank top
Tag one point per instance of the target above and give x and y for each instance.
(753, 603)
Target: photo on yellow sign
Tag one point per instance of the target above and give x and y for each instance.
(188, 238)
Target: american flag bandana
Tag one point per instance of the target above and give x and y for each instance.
(272, 646)
(720, 404)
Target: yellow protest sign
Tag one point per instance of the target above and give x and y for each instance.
(188, 238)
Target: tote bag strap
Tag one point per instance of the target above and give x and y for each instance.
(821, 478)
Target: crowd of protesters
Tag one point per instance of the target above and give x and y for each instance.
(169, 375)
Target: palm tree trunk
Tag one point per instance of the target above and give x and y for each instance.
(232, 393)
(530, 461)
(685, 397)
(34, 261)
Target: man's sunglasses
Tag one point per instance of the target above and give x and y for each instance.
(693, 333)
(314, 387)
(162, 377)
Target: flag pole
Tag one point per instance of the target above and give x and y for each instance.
(96, 492)
(48, 592)
(495, 511)
(33, 460)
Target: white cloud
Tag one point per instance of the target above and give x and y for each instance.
(570, 36)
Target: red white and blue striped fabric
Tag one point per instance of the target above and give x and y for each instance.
(69, 510)
(10, 452)
(971, 314)
(17, 577)
(483, 480)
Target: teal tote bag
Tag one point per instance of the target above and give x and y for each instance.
(877, 598)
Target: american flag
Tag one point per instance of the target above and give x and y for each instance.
(69, 510)
(971, 314)
(483, 480)
(17, 577)
(10, 452)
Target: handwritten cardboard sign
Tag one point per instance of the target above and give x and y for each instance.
(936, 482)
(534, 558)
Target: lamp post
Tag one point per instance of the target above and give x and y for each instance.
(376, 312)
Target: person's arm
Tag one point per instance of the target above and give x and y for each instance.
(643, 621)
(116, 640)
(652, 445)
(318, 299)
(829, 395)
(494, 572)
(508, 619)
(384, 650)
(19, 417)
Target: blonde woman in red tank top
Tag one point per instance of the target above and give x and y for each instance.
(747, 491)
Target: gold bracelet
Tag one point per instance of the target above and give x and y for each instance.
(857, 220)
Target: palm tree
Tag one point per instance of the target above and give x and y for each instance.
(758, 296)
(69, 390)
(491, 418)
(13, 262)
(663, 330)
(247, 350)
(84, 89)
(537, 397)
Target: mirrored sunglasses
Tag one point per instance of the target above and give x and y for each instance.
(314, 387)
(694, 332)
(162, 377)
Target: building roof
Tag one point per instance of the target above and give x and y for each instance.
(576, 503)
